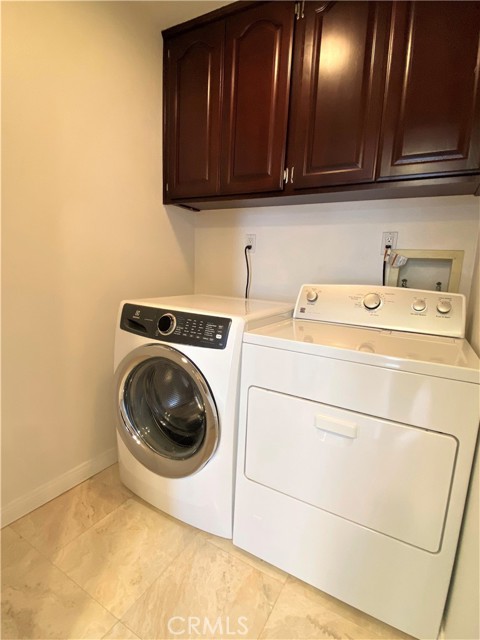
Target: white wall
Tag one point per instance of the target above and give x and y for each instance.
(83, 228)
(329, 243)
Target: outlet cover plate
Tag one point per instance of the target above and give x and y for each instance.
(389, 237)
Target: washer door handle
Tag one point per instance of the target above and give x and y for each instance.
(335, 425)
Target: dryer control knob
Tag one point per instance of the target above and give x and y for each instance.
(444, 306)
(419, 305)
(312, 295)
(372, 301)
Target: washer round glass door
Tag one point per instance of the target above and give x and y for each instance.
(167, 415)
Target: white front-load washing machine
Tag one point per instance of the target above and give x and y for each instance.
(357, 429)
(177, 364)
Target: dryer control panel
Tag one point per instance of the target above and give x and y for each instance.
(400, 309)
(176, 327)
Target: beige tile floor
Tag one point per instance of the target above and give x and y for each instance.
(98, 562)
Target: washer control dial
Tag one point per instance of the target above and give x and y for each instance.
(166, 324)
(419, 305)
(372, 301)
(312, 295)
(444, 306)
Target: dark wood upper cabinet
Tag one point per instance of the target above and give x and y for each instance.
(193, 75)
(337, 85)
(364, 98)
(256, 95)
(431, 118)
(227, 86)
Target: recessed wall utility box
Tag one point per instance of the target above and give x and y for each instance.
(429, 269)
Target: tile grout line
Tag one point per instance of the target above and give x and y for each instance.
(60, 548)
(247, 563)
(88, 595)
(94, 524)
(157, 577)
(114, 625)
(56, 550)
(273, 607)
(264, 574)
(72, 579)
(127, 627)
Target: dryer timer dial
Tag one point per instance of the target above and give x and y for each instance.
(372, 301)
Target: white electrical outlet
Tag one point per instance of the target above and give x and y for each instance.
(251, 239)
(389, 237)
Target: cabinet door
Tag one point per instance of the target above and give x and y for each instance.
(431, 119)
(192, 125)
(340, 58)
(257, 83)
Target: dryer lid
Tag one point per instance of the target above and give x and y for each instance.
(444, 357)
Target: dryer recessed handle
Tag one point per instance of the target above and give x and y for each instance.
(336, 426)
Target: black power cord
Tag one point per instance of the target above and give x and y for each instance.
(386, 255)
(248, 247)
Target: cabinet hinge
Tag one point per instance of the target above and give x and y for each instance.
(285, 175)
(300, 9)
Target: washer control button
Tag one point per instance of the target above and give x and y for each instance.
(166, 324)
(419, 305)
(444, 306)
(312, 295)
(372, 301)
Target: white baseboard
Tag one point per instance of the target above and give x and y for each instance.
(53, 488)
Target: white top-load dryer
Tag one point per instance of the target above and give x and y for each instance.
(357, 429)
(177, 364)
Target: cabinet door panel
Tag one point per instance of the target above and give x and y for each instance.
(257, 82)
(193, 125)
(431, 119)
(338, 80)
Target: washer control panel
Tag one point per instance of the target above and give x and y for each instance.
(399, 309)
(176, 327)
